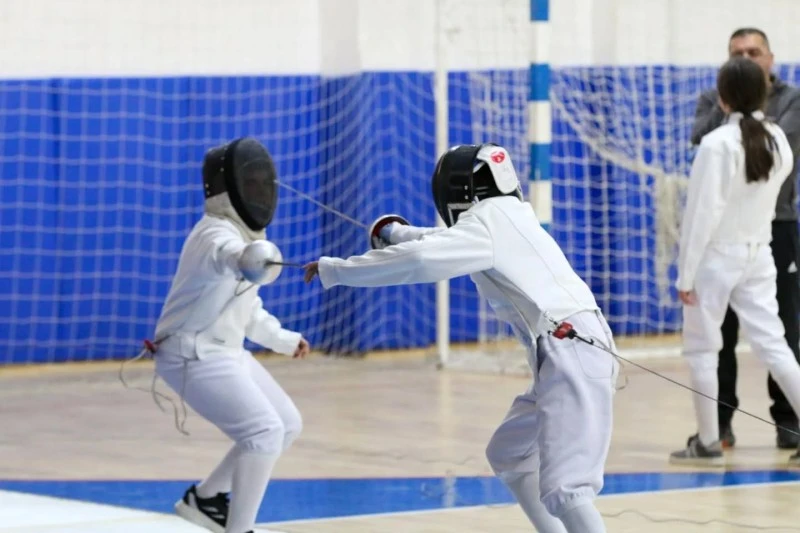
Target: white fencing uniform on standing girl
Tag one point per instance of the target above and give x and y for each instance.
(725, 256)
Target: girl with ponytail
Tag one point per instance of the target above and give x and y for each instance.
(725, 257)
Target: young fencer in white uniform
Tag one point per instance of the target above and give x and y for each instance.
(551, 448)
(212, 306)
(725, 256)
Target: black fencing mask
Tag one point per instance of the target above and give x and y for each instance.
(244, 169)
(470, 173)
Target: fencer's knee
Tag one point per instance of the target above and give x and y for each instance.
(500, 459)
(292, 427)
(264, 437)
(702, 362)
(562, 489)
(560, 500)
(495, 456)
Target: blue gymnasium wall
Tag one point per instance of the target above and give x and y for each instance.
(64, 141)
(78, 141)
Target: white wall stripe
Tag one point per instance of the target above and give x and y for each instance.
(539, 42)
(540, 116)
(541, 194)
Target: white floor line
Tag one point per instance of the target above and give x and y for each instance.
(32, 513)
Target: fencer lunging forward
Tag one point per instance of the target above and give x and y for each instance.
(551, 448)
(725, 255)
(212, 305)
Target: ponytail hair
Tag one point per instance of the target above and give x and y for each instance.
(759, 149)
(742, 86)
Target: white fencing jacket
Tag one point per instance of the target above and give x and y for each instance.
(210, 310)
(515, 263)
(721, 207)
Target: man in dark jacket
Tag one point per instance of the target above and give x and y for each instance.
(783, 107)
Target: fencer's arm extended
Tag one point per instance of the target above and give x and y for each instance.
(712, 170)
(225, 249)
(267, 331)
(465, 248)
(402, 233)
(230, 254)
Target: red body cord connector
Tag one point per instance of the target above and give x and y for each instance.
(564, 331)
(150, 346)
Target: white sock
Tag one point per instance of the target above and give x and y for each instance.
(525, 488)
(583, 519)
(221, 479)
(705, 381)
(250, 479)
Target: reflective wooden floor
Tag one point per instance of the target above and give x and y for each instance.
(380, 423)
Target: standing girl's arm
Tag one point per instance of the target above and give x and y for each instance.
(713, 167)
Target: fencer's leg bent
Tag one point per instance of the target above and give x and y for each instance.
(575, 395)
(283, 404)
(220, 480)
(525, 488)
(513, 455)
(253, 470)
(222, 391)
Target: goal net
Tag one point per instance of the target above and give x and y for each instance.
(101, 155)
(621, 151)
(102, 146)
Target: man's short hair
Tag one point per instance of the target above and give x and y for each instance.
(744, 32)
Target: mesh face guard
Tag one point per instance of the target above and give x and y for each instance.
(244, 169)
(452, 182)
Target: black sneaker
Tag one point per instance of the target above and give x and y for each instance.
(696, 454)
(788, 440)
(727, 438)
(210, 513)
